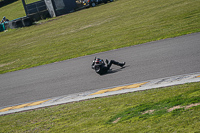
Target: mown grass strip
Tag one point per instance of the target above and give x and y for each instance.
(117, 24)
(143, 111)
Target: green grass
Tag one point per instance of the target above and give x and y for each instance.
(121, 23)
(97, 115)
(159, 108)
(13, 10)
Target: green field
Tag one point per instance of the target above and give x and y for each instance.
(13, 10)
(117, 24)
(121, 23)
(143, 111)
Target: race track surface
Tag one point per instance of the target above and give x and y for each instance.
(164, 58)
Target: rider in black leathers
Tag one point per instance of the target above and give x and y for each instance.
(101, 68)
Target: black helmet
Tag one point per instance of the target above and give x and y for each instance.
(98, 61)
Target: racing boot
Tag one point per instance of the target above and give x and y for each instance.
(122, 64)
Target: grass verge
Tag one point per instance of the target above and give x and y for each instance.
(117, 24)
(144, 111)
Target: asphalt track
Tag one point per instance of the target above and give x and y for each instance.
(159, 59)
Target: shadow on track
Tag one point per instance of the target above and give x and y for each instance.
(114, 71)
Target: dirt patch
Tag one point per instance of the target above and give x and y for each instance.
(192, 105)
(116, 120)
(173, 108)
(6, 64)
(186, 107)
(148, 111)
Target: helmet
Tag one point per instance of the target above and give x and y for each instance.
(99, 61)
